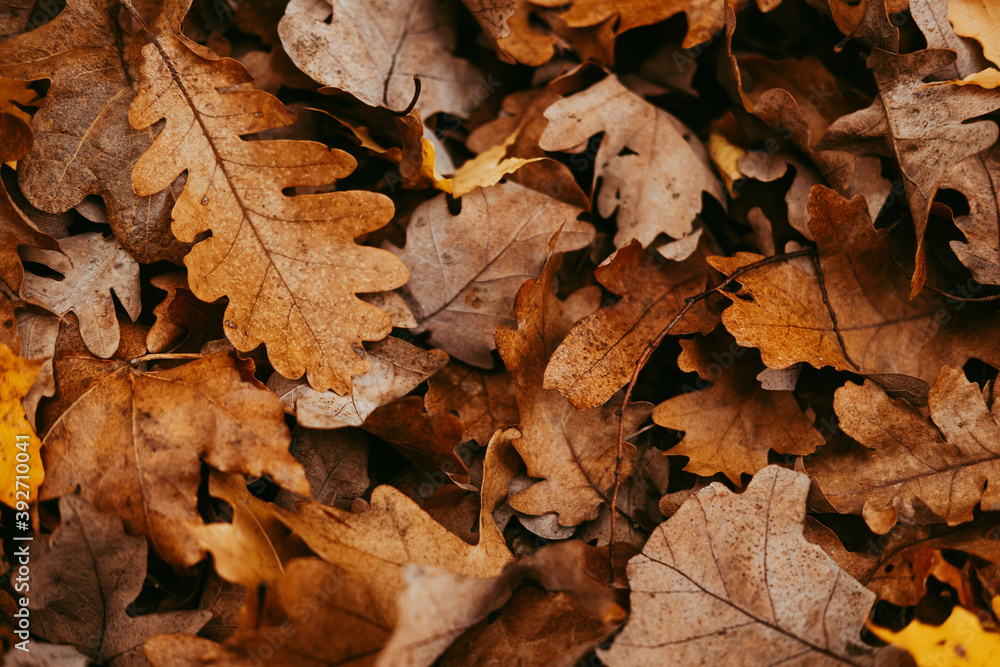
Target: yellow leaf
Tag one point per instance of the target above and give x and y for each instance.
(20, 459)
(958, 642)
(980, 20)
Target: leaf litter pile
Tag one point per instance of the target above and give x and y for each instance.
(500, 332)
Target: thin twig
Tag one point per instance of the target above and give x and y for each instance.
(689, 302)
(170, 356)
(413, 102)
(833, 315)
(979, 299)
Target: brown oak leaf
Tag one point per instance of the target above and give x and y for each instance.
(373, 52)
(183, 322)
(465, 269)
(653, 169)
(779, 308)
(760, 593)
(289, 265)
(92, 267)
(908, 468)
(979, 20)
(925, 128)
(599, 354)
(336, 465)
(84, 579)
(484, 402)
(83, 142)
(134, 442)
(731, 426)
(573, 453)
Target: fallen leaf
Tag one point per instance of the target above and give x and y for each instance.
(653, 169)
(373, 52)
(731, 426)
(484, 402)
(84, 580)
(92, 267)
(492, 15)
(704, 17)
(979, 20)
(911, 469)
(20, 455)
(336, 465)
(268, 267)
(83, 143)
(396, 368)
(779, 308)
(924, 128)
(182, 320)
(931, 16)
(135, 440)
(466, 268)
(959, 641)
(733, 561)
(573, 453)
(599, 354)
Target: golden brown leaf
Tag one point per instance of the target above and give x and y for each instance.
(336, 465)
(183, 322)
(911, 469)
(704, 17)
(289, 266)
(779, 308)
(465, 269)
(758, 592)
(980, 20)
(731, 426)
(599, 354)
(134, 442)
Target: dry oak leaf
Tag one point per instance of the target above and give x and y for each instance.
(374, 545)
(730, 579)
(779, 308)
(980, 20)
(572, 453)
(931, 16)
(84, 580)
(599, 354)
(20, 458)
(536, 32)
(372, 51)
(466, 269)
(92, 267)
(184, 323)
(426, 439)
(653, 169)
(731, 426)
(924, 128)
(960, 641)
(484, 402)
(980, 252)
(17, 231)
(289, 265)
(83, 142)
(704, 17)
(135, 441)
(316, 615)
(396, 369)
(911, 469)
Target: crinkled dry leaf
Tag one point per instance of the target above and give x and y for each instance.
(492, 15)
(925, 128)
(779, 308)
(83, 581)
(83, 142)
(911, 469)
(336, 465)
(465, 269)
(731, 426)
(599, 354)
(372, 51)
(289, 265)
(396, 368)
(183, 322)
(134, 443)
(731, 579)
(573, 453)
(92, 268)
(653, 168)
